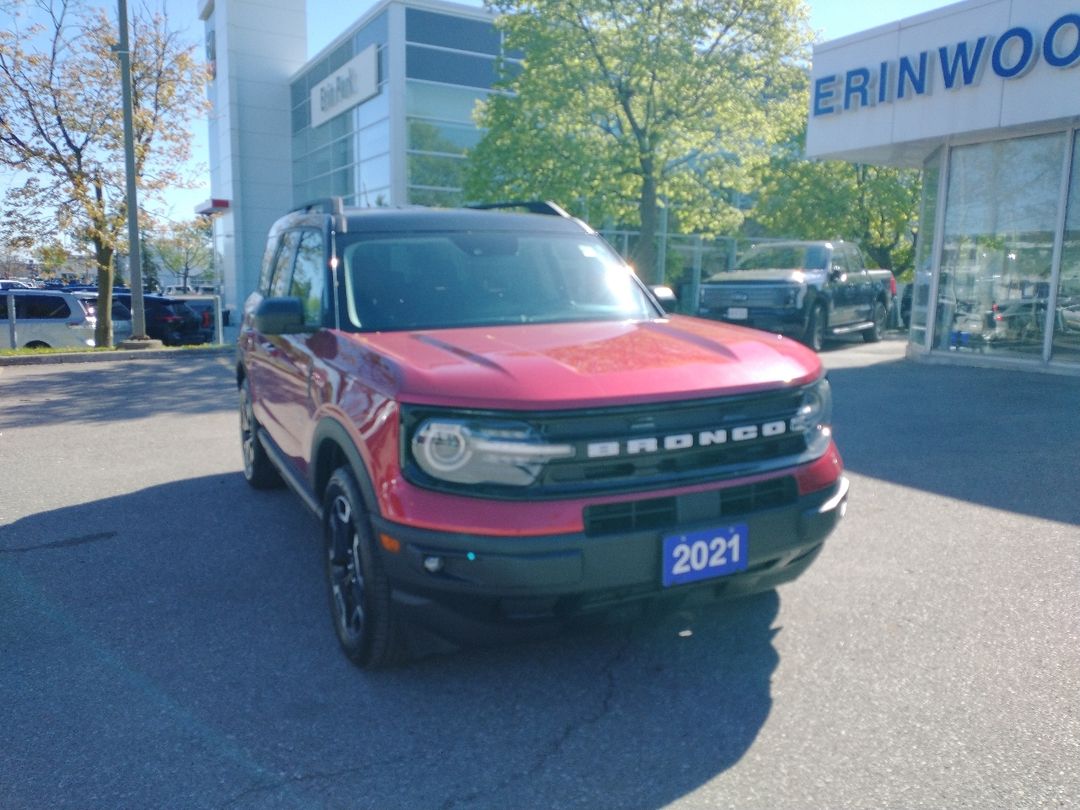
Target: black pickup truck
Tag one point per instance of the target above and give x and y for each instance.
(806, 290)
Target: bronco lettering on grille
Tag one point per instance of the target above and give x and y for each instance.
(684, 441)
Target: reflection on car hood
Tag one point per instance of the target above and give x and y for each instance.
(570, 365)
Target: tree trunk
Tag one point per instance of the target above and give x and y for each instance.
(103, 331)
(650, 270)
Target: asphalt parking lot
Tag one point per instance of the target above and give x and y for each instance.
(165, 639)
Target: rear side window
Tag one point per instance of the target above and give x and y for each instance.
(280, 275)
(3, 306)
(308, 277)
(41, 307)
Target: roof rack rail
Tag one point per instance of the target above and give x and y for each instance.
(334, 206)
(532, 206)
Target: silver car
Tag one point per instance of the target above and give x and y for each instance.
(44, 319)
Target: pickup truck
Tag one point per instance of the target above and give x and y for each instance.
(805, 290)
(500, 430)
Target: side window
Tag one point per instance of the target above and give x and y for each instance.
(836, 262)
(308, 277)
(41, 307)
(280, 275)
(3, 307)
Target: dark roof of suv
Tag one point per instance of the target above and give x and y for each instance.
(404, 220)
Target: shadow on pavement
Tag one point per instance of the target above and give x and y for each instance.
(117, 391)
(1000, 438)
(194, 647)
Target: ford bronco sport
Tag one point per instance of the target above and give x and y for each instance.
(499, 427)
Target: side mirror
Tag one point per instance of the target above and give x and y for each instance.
(665, 295)
(279, 316)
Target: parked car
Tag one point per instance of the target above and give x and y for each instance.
(203, 307)
(167, 319)
(806, 290)
(500, 430)
(44, 319)
(14, 284)
(121, 315)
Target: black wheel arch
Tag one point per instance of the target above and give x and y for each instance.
(333, 447)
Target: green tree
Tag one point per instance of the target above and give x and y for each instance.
(876, 206)
(624, 106)
(61, 122)
(187, 252)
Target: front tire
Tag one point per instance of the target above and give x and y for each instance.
(259, 471)
(815, 328)
(877, 331)
(369, 632)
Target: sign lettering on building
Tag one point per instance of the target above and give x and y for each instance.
(355, 81)
(1009, 55)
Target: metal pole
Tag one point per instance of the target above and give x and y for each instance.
(138, 316)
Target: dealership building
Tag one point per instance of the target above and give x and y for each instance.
(984, 97)
(381, 116)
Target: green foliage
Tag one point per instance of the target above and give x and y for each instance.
(61, 123)
(185, 253)
(620, 107)
(876, 206)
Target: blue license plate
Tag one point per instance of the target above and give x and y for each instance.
(704, 554)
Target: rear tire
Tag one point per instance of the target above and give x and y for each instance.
(259, 471)
(875, 332)
(370, 634)
(38, 344)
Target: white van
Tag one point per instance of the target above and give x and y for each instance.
(44, 319)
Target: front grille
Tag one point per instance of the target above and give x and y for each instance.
(744, 295)
(656, 513)
(623, 427)
(646, 447)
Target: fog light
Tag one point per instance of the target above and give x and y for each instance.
(433, 565)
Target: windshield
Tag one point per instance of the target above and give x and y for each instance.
(445, 280)
(784, 257)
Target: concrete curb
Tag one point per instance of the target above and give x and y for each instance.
(118, 354)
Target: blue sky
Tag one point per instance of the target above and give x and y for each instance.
(327, 19)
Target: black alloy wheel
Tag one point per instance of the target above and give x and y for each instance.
(369, 633)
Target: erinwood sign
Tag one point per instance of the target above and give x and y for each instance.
(1008, 55)
(355, 81)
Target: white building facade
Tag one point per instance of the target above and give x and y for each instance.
(381, 116)
(984, 96)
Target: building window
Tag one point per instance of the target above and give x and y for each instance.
(451, 32)
(924, 250)
(448, 67)
(1001, 219)
(1066, 344)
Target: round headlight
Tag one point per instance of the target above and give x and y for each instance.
(444, 446)
(469, 451)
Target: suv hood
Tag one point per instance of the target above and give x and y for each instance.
(571, 365)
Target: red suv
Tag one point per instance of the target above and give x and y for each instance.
(499, 427)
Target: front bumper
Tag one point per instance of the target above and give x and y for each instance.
(479, 587)
(787, 321)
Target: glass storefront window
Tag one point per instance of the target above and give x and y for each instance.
(375, 140)
(924, 251)
(439, 101)
(1000, 222)
(451, 139)
(440, 171)
(374, 173)
(1066, 344)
